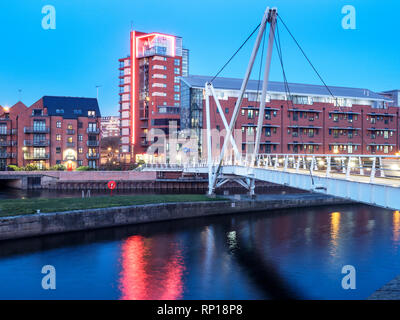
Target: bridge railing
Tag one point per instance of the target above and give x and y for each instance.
(340, 165)
(372, 166)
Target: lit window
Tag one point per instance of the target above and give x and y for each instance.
(58, 137)
(58, 124)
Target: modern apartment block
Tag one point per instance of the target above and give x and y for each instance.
(54, 130)
(312, 122)
(110, 126)
(393, 95)
(149, 89)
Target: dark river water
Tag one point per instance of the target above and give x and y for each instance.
(288, 253)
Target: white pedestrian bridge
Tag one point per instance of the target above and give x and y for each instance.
(370, 179)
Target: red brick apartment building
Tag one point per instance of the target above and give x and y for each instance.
(156, 89)
(54, 130)
(149, 89)
(313, 122)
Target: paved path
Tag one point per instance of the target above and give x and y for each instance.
(390, 291)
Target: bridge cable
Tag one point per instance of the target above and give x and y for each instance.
(309, 61)
(318, 74)
(236, 52)
(230, 59)
(287, 88)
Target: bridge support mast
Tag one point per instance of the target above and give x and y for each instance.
(272, 21)
(269, 16)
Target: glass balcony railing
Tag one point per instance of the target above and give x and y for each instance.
(8, 143)
(5, 131)
(93, 130)
(36, 143)
(6, 155)
(36, 156)
(92, 156)
(36, 130)
(92, 143)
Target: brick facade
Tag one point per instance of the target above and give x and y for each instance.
(36, 135)
(150, 90)
(320, 128)
(309, 121)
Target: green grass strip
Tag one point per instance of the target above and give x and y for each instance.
(13, 207)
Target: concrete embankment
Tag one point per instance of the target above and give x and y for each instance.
(52, 223)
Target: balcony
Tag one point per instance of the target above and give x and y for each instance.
(168, 110)
(5, 132)
(92, 143)
(144, 115)
(37, 156)
(36, 130)
(70, 131)
(92, 156)
(8, 143)
(92, 130)
(36, 143)
(6, 155)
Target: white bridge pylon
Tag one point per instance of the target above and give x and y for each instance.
(215, 176)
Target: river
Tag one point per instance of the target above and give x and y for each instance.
(286, 253)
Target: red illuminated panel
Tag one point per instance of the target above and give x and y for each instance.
(146, 276)
(133, 85)
(155, 44)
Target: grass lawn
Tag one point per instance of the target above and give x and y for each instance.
(12, 207)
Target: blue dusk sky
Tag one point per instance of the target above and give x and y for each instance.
(91, 35)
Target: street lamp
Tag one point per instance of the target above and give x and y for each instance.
(24, 149)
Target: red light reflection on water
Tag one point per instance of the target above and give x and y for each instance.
(146, 276)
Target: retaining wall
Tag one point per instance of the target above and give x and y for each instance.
(51, 223)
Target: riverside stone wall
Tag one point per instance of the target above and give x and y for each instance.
(52, 223)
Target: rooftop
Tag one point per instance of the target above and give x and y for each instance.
(69, 104)
(196, 81)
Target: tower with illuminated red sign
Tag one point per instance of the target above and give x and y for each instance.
(149, 90)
